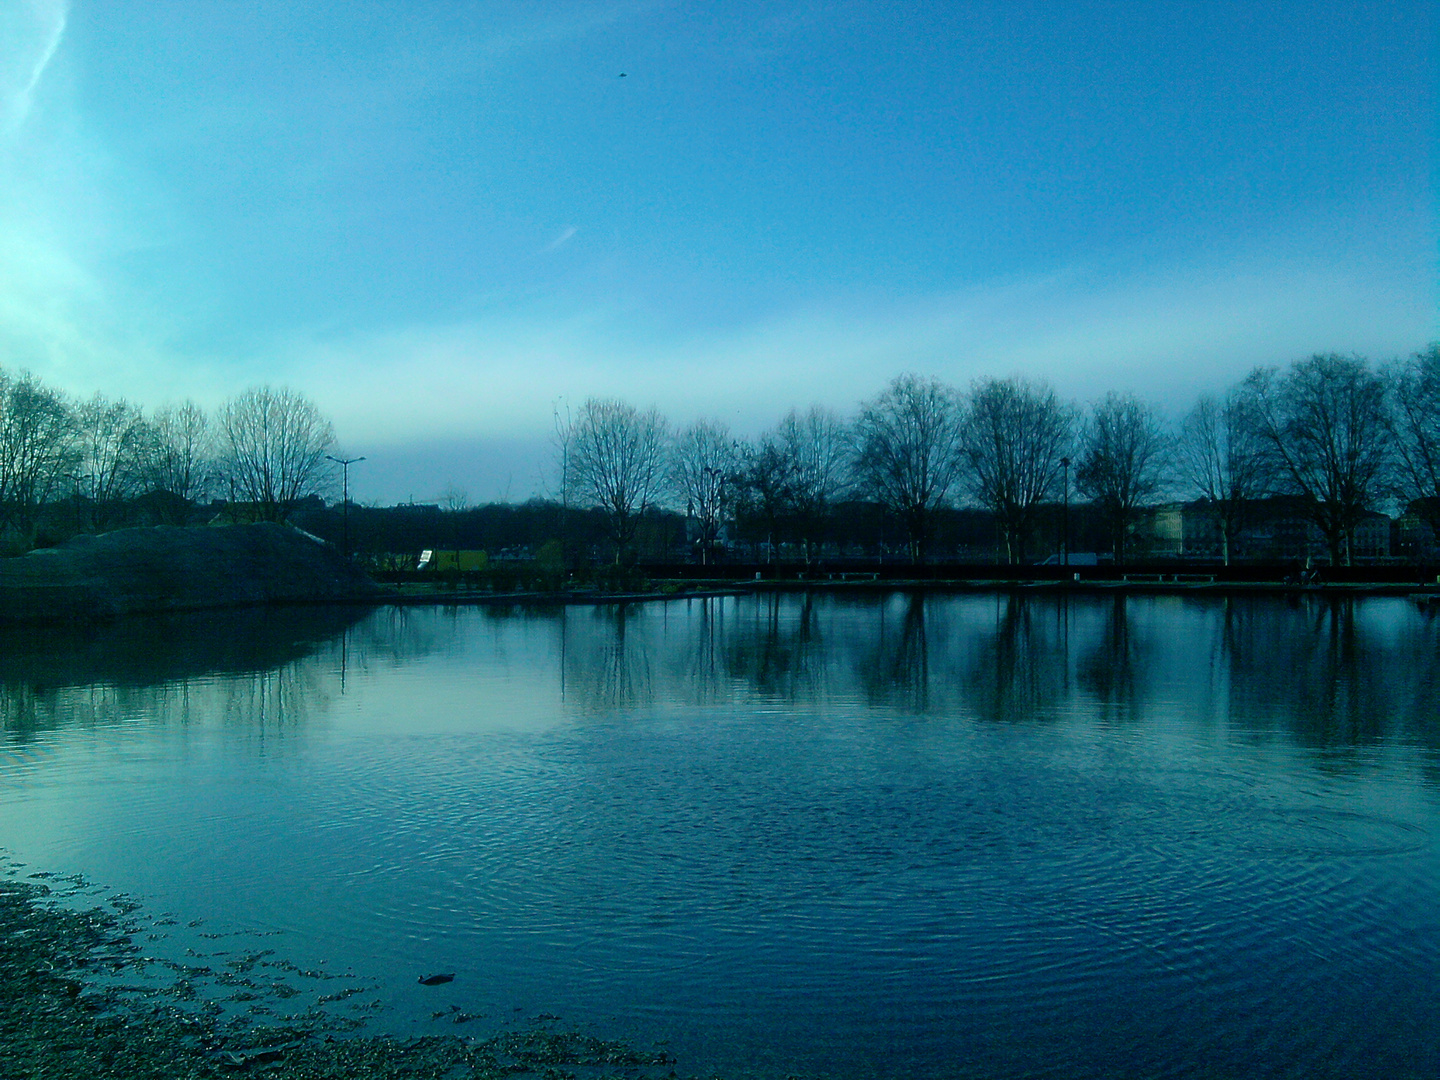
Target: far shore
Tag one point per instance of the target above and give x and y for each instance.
(438, 593)
(164, 570)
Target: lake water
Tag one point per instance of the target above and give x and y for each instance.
(950, 836)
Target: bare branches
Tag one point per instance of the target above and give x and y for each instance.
(182, 455)
(1015, 435)
(1325, 422)
(794, 473)
(818, 446)
(273, 444)
(907, 451)
(1223, 457)
(615, 458)
(703, 467)
(1415, 425)
(1122, 461)
(37, 450)
(113, 440)
(768, 482)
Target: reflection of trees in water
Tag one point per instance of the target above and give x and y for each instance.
(909, 651)
(1109, 669)
(1022, 668)
(268, 704)
(898, 671)
(702, 651)
(1334, 671)
(778, 650)
(605, 665)
(148, 650)
(392, 636)
(258, 671)
(700, 662)
(24, 711)
(256, 704)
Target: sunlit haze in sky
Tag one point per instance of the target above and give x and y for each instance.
(443, 221)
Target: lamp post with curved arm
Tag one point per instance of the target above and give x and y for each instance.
(345, 464)
(1065, 519)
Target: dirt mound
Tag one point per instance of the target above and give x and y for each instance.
(175, 569)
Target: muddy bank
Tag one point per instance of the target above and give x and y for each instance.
(164, 569)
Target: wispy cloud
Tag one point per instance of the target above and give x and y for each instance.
(561, 240)
(30, 33)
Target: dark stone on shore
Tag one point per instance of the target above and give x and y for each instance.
(133, 571)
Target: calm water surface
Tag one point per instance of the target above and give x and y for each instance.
(953, 836)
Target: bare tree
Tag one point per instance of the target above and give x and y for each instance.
(454, 501)
(792, 474)
(907, 452)
(817, 446)
(616, 462)
(703, 467)
(37, 451)
(180, 457)
(1326, 423)
(1223, 457)
(1415, 417)
(1122, 461)
(273, 444)
(1015, 435)
(767, 483)
(113, 438)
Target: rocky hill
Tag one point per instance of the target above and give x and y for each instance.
(174, 569)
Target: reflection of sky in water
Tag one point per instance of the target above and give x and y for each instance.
(892, 836)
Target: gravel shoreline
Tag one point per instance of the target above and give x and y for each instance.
(79, 998)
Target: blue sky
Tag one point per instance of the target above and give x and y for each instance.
(440, 219)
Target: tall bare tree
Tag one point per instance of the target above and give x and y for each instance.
(181, 455)
(817, 446)
(37, 451)
(907, 458)
(1223, 457)
(1015, 435)
(113, 438)
(616, 462)
(273, 444)
(1122, 461)
(767, 483)
(1415, 418)
(1326, 422)
(703, 467)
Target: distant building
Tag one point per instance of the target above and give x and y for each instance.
(1274, 528)
(1412, 537)
(1191, 530)
(1372, 537)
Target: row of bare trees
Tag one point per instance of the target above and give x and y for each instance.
(265, 447)
(1331, 431)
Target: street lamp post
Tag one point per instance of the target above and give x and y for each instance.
(345, 464)
(1065, 519)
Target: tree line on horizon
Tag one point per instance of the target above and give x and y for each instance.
(265, 447)
(1333, 433)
